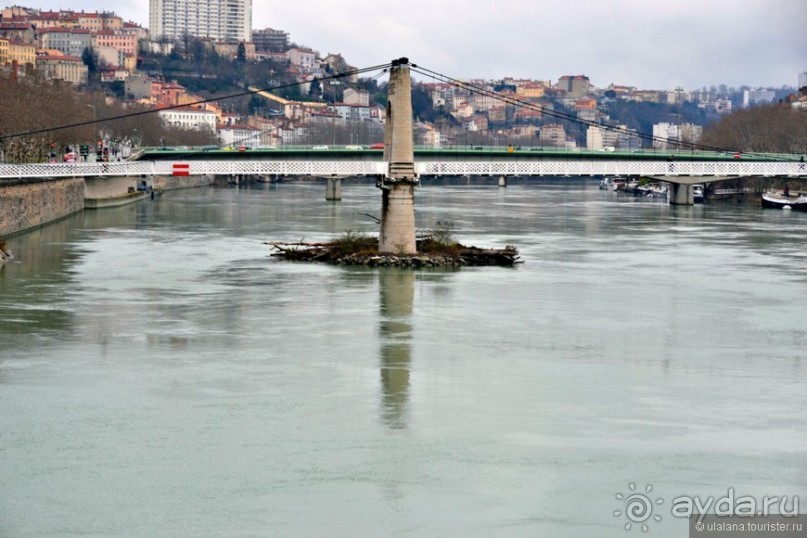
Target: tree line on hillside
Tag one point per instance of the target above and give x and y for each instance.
(205, 72)
(41, 118)
(769, 128)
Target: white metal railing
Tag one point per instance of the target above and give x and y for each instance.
(583, 167)
(193, 168)
(735, 191)
(613, 168)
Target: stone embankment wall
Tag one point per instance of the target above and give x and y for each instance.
(28, 203)
(168, 183)
(103, 188)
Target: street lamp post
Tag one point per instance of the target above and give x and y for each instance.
(94, 119)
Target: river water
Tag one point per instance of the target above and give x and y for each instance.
(161, 375)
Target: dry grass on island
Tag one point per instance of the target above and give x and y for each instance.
(438, 248)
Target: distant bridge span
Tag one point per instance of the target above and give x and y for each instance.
(678, 172)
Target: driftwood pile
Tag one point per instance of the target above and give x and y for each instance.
(364, 252)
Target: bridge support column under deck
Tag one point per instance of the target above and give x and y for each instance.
(681, 194)
(333, 189)
(502, 181)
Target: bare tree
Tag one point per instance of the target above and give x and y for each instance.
(40, 118)
(773, 128)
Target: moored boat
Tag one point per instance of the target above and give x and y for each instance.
(651, 190)
(780, 201)
(618, 183)
(697, 194)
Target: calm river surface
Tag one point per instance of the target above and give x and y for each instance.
(160, 375)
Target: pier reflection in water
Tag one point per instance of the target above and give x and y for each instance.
(396, 297)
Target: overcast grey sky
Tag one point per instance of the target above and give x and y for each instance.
(651, 44)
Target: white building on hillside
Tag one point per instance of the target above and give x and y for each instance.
(189, 118)
(240, 135)
(665, 135)
(356, 97)
(303, 59)
(755, 97)
(224, 20)
(352, 112)
(594, 138)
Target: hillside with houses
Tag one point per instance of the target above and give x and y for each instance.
(267, 91)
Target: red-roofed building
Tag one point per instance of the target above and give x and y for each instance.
(126, 43)
(553, 135)
(100, 22)
(574, 85)
(54, 19)
(61, 67)
(529, 114)
(530, 89)
(22, 53)
(585, 103)
(70, 41)
(168, 93)
(24, 32)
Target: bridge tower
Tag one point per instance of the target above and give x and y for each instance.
(397, 235)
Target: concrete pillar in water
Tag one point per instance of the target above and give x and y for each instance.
(397, 235)
(502, 181)
(333, 189)
(682, 194)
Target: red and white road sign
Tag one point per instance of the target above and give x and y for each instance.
(181, 169)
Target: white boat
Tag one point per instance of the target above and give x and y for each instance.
(697, 194)
(780, 201)
(652, 190)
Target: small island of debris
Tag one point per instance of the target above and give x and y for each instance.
(436, 249)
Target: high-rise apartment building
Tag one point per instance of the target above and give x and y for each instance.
(574, 85)
(270, 40)
(756, 97)
(225, 20)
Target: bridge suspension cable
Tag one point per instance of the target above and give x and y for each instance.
(382, 68)
(243, 139)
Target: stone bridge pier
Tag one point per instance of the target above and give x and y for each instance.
(397, 235)
(681, 194)
(333, 188)
(681, 187)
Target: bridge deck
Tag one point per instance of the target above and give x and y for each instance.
(661, 169)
